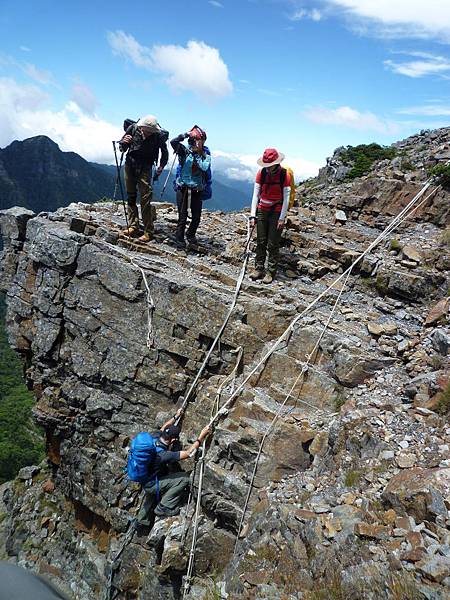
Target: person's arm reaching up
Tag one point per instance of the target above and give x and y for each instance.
(172, 420)
(196, 445)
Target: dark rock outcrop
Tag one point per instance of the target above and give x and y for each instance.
(327, 496)
(36, 174)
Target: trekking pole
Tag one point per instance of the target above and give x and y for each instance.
(119, 179)
(116, 183)
(168, 175)
(155, 175)
(250, 230)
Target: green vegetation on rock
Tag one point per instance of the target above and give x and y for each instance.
(442, 173)
(21, 441)
(395, 245)
(363, 156)
(352, 478)
(443, 407)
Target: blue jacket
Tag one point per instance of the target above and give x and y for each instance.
(193, 170)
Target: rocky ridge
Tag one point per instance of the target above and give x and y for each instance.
(352, 491)
(36, 174)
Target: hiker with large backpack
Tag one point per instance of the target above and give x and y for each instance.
(192, 182)
(143, 141)
(153, 461)
(270, 202)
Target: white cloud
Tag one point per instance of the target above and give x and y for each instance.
(304, 13)
(428, 64)
(24, 48)
(24, 113)
(350, 117)
(197, 68)
(216, 4)
(84, 97)
(428, 110)
(243, 167)
(236, 166)
(39, 75)
(303, 169)
(399, 18)
(128, 47)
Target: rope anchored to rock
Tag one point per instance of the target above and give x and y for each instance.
(225, 321)
(411, 207)
(150, 305)
(222, 411)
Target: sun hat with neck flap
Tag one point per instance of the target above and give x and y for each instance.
(150, 122)
(270, 158)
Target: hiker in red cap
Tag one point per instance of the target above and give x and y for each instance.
(269, 205)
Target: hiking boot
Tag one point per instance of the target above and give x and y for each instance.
(130, 230)
(180, 245)
(192, 241)
(268, 278)
(256, 274)
(146, 237)
(162, 511)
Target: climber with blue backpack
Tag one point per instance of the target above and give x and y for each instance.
(153, 462)
(192, 182)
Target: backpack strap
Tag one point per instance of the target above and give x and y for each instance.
(263, 176)
(282, 180)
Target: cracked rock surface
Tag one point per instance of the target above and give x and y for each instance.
(352, 487)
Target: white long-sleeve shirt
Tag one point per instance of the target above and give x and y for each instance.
(256, 196)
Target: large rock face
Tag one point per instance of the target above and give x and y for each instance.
(389, 184)
(327, 492)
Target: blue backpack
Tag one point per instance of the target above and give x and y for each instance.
(142, 454)
(207, 178)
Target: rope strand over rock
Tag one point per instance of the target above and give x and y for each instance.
(225, 321)
(150, 305)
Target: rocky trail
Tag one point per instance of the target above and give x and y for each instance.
(351, 494)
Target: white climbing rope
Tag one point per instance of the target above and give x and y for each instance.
(190, 567)
(150, 305)
(230, 377)
(303, 370)
(225, 321)
(406, 213)
(288, 331)
(219, 413)
(222, 411)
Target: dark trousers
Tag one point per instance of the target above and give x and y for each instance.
(172, 494)
(268, 238)
(139, 178)
(196, 211)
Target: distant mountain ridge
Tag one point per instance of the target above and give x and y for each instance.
(36, 174)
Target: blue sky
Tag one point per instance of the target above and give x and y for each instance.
(303, 76)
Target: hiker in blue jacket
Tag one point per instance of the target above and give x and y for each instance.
(192, 184)
(168, 483)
